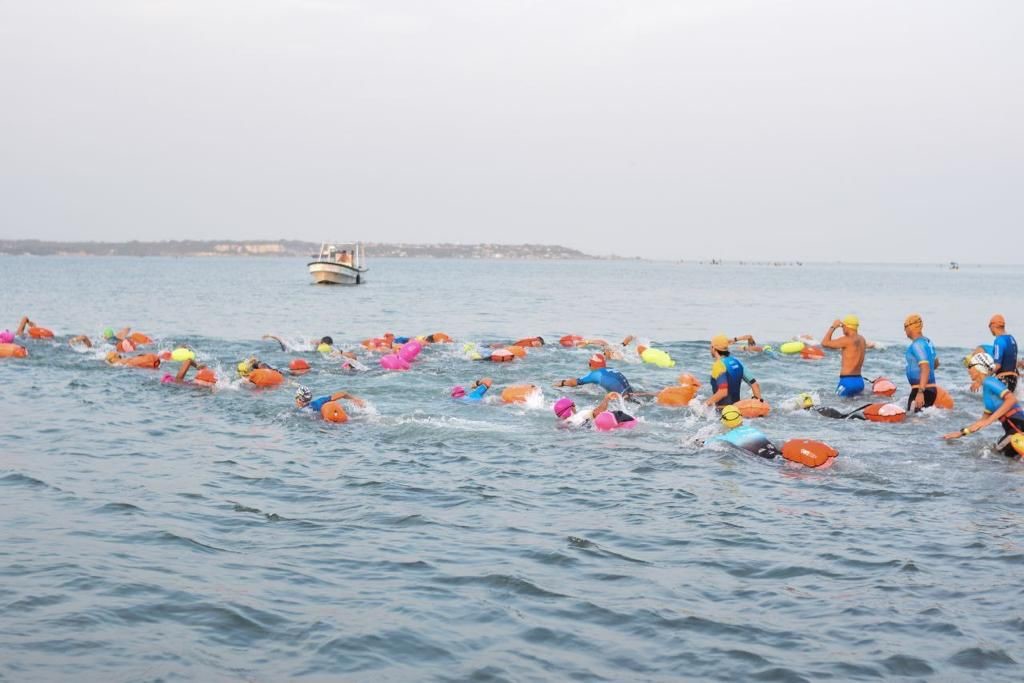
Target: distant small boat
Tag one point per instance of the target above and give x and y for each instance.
(334, 267)
(953, 265)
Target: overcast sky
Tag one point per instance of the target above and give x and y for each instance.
(810, 129)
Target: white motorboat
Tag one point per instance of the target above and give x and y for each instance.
(339, 267)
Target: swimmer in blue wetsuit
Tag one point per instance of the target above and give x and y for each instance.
(728, 375)
(1000, 404)
(304, 400)
(478, 389)
(1003, 351)
(604, 377)
(921, 365)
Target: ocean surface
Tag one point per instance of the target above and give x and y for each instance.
(156, 532)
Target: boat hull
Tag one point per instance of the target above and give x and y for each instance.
(331, 273)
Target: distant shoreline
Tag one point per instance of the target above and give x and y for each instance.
(302, 249)
(286, 248)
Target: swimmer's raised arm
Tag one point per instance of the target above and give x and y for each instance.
(277, 339)
(603, 405)
(22, 324)
(344, 395)
(830, 343)
(80, 339)
(183, 370)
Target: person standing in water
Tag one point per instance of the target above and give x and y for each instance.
(1003, 351)
(921, 365)
(852, 345)
(1000, 404)
(727, 375)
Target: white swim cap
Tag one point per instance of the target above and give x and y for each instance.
(983, 362)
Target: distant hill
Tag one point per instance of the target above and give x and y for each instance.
(284, 248)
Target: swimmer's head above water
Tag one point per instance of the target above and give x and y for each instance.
(731, 417)
(564, 408)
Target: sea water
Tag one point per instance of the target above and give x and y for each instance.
(155, 532)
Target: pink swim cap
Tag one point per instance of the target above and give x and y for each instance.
(563, 407)
(167, 379)
(6, 337)
(458, 392)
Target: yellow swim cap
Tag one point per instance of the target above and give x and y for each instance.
(324, 348)
(720, 342)
(806, 400)
(851, 321)
(244, 368)
(731, 417)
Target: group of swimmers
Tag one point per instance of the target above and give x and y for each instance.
(993, 370)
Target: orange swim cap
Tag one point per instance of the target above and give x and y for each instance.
(597, 361)
(913, 320)
(998, 320)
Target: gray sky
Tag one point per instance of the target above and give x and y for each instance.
(809, 129)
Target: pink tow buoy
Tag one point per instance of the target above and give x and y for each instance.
(410, 350)
(393, 361)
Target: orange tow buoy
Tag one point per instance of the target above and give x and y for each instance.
(676, 396)
(143, 360)
(751, 407)
(502, 356)
(571, 340)
(517, 351)
(333, 412)
(206, 376)
(439, 338)
(812, 353)
(885, 412)
(809, 453)
(883, 386)
(943, 399)
(40, 333)
(265, 377)
(689, 380)
(518, 393)
(140, 339)
(13, 351)
(298, 366)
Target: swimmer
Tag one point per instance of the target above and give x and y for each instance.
(529, 342)
(80, 340)
(442, 338)
(143, 360)
(604, 377)
(921, 365)
(385, 343)
(727, 375)
(26, 326)
(853, 346)
(565, 410)
(246, 366)
(476, 393)
(204, 376)
(806, 402)
(1000, 404)
(304, 401)
(751, 346)
(1003, 351)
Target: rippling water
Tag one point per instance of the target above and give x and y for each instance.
(155, 532)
